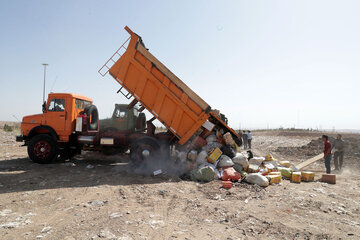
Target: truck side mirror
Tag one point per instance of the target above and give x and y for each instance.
(44, 107)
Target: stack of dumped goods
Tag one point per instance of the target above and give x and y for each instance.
(209, 155)
(212, 153)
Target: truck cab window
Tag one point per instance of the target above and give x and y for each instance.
(136, 112)
(81, 104)
(57, 105)
(120, 113)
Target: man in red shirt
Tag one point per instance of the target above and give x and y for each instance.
(327, 153)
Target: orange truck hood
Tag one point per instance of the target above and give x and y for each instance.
(29, 122)
(36, 118)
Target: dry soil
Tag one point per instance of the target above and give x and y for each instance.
(97, 197)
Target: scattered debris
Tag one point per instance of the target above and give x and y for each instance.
(10, 225)
(46, 229)
(5, 212)
(69, 164)
(89, 166)
(98, 203)
(105, 233)
(115, 215)
(155, 224)
(43, 183)
(157, 172)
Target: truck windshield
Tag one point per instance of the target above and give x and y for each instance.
(120, 113)
(136, 112)
(57, 105)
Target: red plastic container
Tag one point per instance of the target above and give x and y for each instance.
(227, 184)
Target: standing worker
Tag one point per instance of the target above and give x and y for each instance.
(338, 150)
(245, 139)
(240, 133)
(249, 137)
(240, 136)
(327, 153)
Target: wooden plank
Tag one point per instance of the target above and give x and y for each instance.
(310, 161)
(198, 100)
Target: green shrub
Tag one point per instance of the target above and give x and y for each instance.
(8, 128)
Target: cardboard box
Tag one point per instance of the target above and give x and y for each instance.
(269, 167)
(275, 173)
(296, 177)
(228, 139)
(208, 125)
(307, 176)
(329, 178)
(274, 179)
(214, 155)
(269, 157)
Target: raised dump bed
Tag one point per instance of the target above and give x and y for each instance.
(162, 93)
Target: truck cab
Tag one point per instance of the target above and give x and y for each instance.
(47, 133)
(124, 119)
(70, 123)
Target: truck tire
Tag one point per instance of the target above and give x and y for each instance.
(42, 149)
(145, 148)
(93, 117)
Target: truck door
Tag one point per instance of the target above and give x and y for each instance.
(56, 115)
(120, 118)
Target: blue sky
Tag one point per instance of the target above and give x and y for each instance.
(262, 63)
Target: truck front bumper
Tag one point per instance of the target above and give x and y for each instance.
(19, 138)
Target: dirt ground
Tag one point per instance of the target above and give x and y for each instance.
(96, 197)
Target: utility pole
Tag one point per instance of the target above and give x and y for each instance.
(45, 65)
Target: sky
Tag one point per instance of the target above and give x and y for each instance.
(264, 64)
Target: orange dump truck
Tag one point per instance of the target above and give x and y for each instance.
(69, 122)
(160, 91)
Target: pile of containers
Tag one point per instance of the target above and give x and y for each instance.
(213, 154)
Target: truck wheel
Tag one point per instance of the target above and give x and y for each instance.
(42, 149)
(143, 149)
(93, 117)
